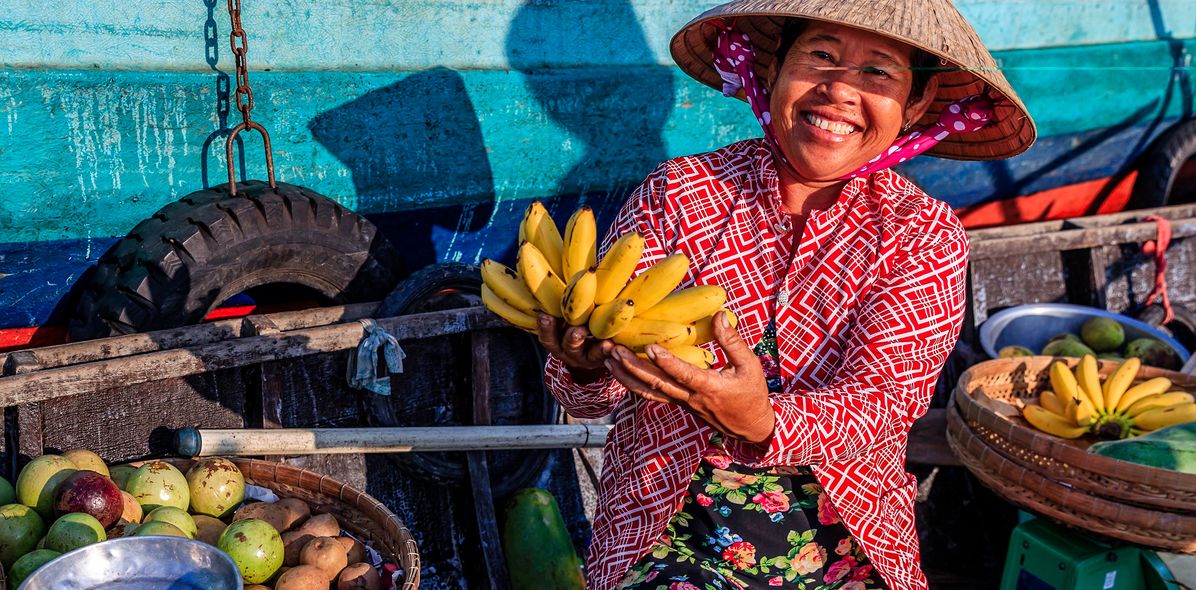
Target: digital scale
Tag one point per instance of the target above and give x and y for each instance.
(1047, 556)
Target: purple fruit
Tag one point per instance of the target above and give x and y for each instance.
(90, 493)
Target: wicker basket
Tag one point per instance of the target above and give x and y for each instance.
(357, 512)
(990, 396)
(1068, 505)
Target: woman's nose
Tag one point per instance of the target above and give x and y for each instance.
(841, 85)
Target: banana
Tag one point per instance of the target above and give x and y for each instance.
(1117, 383)
(640, 332)
(504, 310)
(655, 283)
(1051, 423)
(1088, 378)
(577, 302)
(1084, 413)
(581, 243)
(1134, 394)
(694, 355)
(543, 283)
(704, 327)
(1163, 417)
(616, 267)
(539, 229)
(1050, 401)
(505, 284)
(1063, 382)
(1159, 400)
(610, 318)
(687, 305)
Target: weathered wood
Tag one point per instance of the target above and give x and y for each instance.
(193, 360)
(1170, 212)
(479, 469)
(1075, 239)
(118, 346)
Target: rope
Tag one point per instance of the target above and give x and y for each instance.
(362, 371)
(1158, 249)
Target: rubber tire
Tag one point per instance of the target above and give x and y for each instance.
(172, 269)
(452, 286)
(1161, 165)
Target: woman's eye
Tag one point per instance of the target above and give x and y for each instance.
(821, 55)
(877, 72)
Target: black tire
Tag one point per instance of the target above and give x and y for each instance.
(518, 395)
(193, 254)
(1182, 326)
(1167, 173)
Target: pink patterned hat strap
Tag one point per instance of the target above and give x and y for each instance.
(962, 116)
(735, 59)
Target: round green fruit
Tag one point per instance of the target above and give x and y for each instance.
(38, 482)
(1066, 347)
(8, 494)
(216, 487)
(256, 548)
(85, 459)
(159, 528)
(1154, 353)
(121, 473)
(175, 516)
(74, 530)
(20, 530)
(157, 484)
(27, 564)
(1102, 334)
(1008, 352)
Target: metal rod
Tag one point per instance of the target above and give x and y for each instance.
(194, 442)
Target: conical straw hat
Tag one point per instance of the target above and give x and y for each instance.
(932, 25)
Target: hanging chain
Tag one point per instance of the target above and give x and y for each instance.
(240, 44)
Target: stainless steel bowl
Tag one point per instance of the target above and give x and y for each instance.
(1033, 325)
(142, 563)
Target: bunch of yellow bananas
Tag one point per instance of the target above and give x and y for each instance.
(1079, 403)
(559, 275)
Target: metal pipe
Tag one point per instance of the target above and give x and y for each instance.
(194, 442)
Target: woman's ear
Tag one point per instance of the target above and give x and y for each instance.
(915, 110)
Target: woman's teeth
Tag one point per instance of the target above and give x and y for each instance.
(832, 126)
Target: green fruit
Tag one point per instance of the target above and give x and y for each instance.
(158, 484)
(1153, 353)
(27, 564)
(20, 530)
(256, 548)
(1066, 347)
(216, 487)
(536, 543)
(74, 530)
(38, 482)
(8, 495)
(1102, 334)
(121, 473)
(85, 459)
(1008, 352)
(1065, 336)
(159, 528)
(175, 516)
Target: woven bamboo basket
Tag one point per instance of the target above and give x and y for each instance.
(990, 396)
(1053, 499)
(357, 512)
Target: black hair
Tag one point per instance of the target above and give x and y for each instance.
(923, 64)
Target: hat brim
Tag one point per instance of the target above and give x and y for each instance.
(972, 70)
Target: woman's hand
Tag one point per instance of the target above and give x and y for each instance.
(583, 355)
(734, 400)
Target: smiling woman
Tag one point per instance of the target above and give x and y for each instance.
(783, 465)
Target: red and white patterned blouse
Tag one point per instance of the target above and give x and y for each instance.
(868, 304)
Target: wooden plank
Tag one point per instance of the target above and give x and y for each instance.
(117, 346)
(1171, 212)
(1078, 238)
(479, 469)
(193, 360)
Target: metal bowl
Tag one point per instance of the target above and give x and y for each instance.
(1033, 325)
(142, 563)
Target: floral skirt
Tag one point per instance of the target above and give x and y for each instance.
(754, 528)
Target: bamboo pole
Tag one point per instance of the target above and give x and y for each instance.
(194, 442)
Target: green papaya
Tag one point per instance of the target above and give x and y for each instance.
(1171, 448)
(536, 543)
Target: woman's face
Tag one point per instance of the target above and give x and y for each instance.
(841, 98)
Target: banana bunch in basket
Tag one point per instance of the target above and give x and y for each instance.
(1079, 403)
(648, 310)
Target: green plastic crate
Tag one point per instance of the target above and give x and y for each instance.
(1046, 556)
